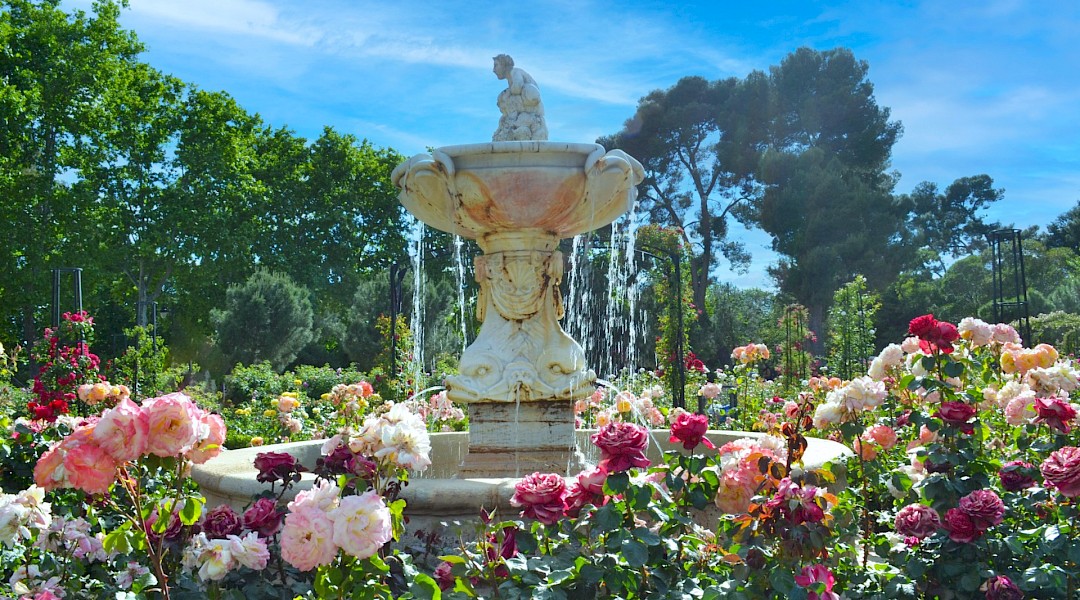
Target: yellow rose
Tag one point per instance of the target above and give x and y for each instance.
(269, 413)
(623, 404)
(257, 441)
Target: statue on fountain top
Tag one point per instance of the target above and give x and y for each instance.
(522, 111)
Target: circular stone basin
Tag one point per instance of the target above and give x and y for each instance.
(438, 495)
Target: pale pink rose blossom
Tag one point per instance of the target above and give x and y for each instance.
(307, 539)
(975, 331)
(361, 524)
(910, 345)
(123, 431)
(1020, 410)
(323, 496)
(209, 446)
(1005, 334)
(174, 426)
(250, 550)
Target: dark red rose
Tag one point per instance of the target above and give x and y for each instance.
(1016, 475)
(917, 520)
(690, 429)
(1001, 587)
(264, 517)
(1062, 470)
(221, 522)
(622, 445)
(542, 496)
(904, 419)
(960, 526)
(955, 413)
(444, 575)
(921, 326)
(807, 513)
(1055, 412)
(275, 466)
(984, 507)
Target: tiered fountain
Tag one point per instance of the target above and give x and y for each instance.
(517, 196)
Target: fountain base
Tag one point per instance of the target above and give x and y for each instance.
(513, 439)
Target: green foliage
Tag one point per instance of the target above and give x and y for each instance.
(851, 329)
(736, 317)
(143, 367)
(269, 317)
(794, 360)
(1059, 329)
(676, 314)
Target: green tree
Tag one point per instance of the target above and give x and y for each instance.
(1064, 231)
(827, 200)
(851, 329)
(698, 144)
(55, 68)
(737, 317)
(949, 224)
(268, 317)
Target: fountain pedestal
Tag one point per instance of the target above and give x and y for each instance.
(522, 373)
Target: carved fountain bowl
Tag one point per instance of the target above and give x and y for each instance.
(543, 190)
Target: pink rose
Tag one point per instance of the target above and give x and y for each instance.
(209, 446)
(361, 524)
(1062, 470)
(1015, 475)
(444, 576)
(1055, 412)
(622, 445)
(123, 431)
(173, 424)
(690, 429)
(1001, 587)
(542, 497)
(221, 522)
(864, 449)
(307, 539)
(815, 574)
(587, 489)
(960, 526)
(87, 466)
(917, 520)
(263, 517)
(984, 507)
(883, 435)
(49, 472)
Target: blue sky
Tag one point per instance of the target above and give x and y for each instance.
(980, 87)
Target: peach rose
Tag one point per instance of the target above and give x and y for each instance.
(174, 424)
(123, 431)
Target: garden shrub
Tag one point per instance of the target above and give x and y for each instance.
(267, 318)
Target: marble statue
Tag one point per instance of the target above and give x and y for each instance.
(522, 111)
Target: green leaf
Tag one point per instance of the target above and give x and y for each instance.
(118, 540)
(453, 559)
(635, 553)
(425, 587)
(607, 518)
(191, 511)
(953, 368)
(616, 483)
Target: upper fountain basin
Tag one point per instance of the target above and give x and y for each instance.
(545, 190)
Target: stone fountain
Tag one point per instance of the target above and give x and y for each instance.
(517, 197)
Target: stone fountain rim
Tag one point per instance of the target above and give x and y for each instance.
(520, 147)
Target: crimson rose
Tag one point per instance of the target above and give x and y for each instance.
(275, 466)
(1001, 587)
(690, 428)
(263, 517)
(917, 520)
(1015, 475)
(984, 507)
(542, 497)
(622, 445)
(221, 522)
(1055, 412)
(960, 526)
(1062, 470)
(955, 413)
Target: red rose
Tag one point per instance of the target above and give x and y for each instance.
(444, 576)
(263, 517)
(690, 429)
(1015, 475)
(542, 497)
(960, 526)
(1001, 587)
(221, 522)
(622, 445)
(275, 466)
(955, 413)
(920, 326)
(1062, 470)
(1055, 412)
(917, 520)
(984, 507)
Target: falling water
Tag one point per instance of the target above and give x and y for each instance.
(459, 266)
(416, 323)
